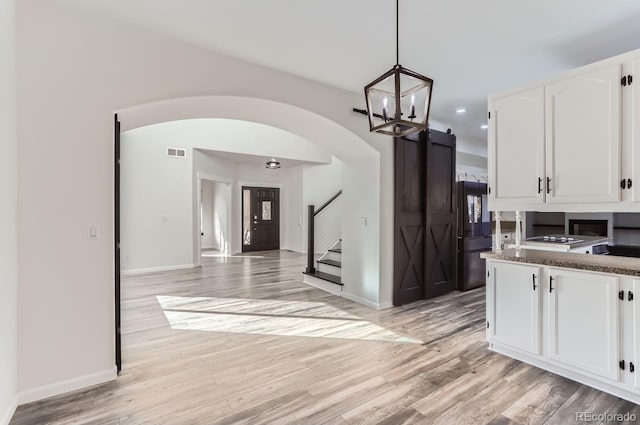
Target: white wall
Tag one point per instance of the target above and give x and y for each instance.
(155, 205)
(74, 71)
(8, 214)
(319, 184)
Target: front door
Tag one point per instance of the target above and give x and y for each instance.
(260, 218)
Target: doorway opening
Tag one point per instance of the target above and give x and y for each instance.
(214, 216)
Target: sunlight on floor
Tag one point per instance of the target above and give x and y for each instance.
(271, 317)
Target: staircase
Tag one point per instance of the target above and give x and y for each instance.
(327, 275)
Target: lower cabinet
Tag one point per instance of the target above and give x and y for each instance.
(584, 320)
(582, 325)
(635, 328)
(514, 309)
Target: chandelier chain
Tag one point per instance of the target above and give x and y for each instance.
(397, 34)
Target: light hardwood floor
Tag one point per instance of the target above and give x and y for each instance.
(242, 341)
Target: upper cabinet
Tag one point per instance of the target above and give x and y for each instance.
(516, 148)
(583, 137)
(572, 143)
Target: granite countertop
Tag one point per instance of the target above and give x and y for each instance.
(596, 263)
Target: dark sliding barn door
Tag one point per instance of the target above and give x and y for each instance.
(116, 224)
(260, 218)
(409, 221)
(425, 216)
(440, 247)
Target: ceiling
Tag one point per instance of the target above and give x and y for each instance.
(255, 160)
(470, 48)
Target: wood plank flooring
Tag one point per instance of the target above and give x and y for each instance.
(242, 341)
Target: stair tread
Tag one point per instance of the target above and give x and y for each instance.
(333, 263)
(338, 250)
(326, 276)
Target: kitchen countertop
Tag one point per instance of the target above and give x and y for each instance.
(596, 263)
(586, 241)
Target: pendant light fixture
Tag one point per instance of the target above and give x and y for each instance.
(398, 101)
(273, 164)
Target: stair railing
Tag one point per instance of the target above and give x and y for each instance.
(311, 231)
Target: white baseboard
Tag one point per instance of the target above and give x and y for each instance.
(6, 416)
(62, 387)
(385, 305)
(322, 284)
(158, 269)
(361, 300)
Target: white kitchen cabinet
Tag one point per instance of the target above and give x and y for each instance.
(514, 306)
(588, 139)
(516, 148)
(635, 328)
(583, 328)
(631, 135)
(583, 137)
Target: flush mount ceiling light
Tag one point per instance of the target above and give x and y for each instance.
(398, 101)
(484, 126)
(461, 110)
(273, 164)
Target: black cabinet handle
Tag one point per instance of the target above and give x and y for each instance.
(632, 367)
(629, 183)
(533, 276)
(630, 296)
(621, 364)
(621, 295)
(548, 184)
(539, 184)
(623, 184)
(550, 284)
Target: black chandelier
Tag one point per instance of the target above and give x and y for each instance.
(398, 101)
(273, 164)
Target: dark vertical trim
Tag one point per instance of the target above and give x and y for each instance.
(116, 226)
(311, 241)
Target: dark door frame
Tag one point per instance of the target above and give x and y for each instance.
(116, 241)
(250, 186)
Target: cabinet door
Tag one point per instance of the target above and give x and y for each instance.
(514, 306)
(631, 119)
(583, 321)
(516, 150)
(583, 137)
(636, 331)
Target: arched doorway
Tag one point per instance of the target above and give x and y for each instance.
(361, 193)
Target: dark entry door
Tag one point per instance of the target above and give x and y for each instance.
(116, 224)
(260, 218)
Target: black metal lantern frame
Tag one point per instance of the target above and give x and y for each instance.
(398, 101)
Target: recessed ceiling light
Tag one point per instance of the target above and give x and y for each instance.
(484, 126)
(461, 110)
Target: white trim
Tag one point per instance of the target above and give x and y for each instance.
(360, 300)
(615, 388)
(206, 176)
(11, 409)
(62, 387)
(158, 269)
(385, 305)
(259, 184)
(322, 284)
